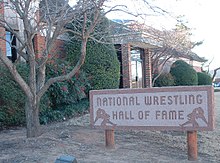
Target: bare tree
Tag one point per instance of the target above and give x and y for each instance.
(48, 18)
(176, 43)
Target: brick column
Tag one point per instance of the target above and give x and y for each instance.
(147, 76)
(2, 30)
(39, 45)
(126, 65)
(57, 49)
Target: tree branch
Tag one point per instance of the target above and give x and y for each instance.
(215, 72)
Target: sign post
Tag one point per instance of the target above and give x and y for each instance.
(188, 108)
(109, 139)
(192, 145)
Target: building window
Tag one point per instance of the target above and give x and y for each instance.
(11, 52)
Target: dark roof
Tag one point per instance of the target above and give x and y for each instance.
(118, 27)
(181, 54)
(193, 56)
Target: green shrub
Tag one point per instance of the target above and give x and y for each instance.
(64, 112)
(66, 98)
(101, 64)
(183, 73)
(62, 100)
(66, 92)
(12, 98)
(165, 79)
(204, 78)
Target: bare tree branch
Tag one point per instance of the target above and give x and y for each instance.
(215, 72)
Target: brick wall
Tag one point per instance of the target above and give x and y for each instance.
(39, 41)
(58, 49)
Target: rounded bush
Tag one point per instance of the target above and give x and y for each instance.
(165, 79)
(204, 78)
(183, 74)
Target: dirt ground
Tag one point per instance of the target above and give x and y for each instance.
(76, 138)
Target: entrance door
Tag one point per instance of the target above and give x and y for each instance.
(136, 68)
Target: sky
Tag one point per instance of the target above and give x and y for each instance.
(200, 15)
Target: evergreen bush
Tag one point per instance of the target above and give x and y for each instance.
(204, 78)
(66, 98)
(165, 79)
(66, 92)
(183, 73)
(63, 100)
(101, 63)
(12, 98)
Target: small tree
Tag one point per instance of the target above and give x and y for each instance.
(183, 73)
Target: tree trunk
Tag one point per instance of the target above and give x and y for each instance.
(32, 118)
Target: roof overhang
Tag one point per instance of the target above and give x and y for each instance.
(137, 39)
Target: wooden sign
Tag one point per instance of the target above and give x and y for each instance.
(169, 108)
